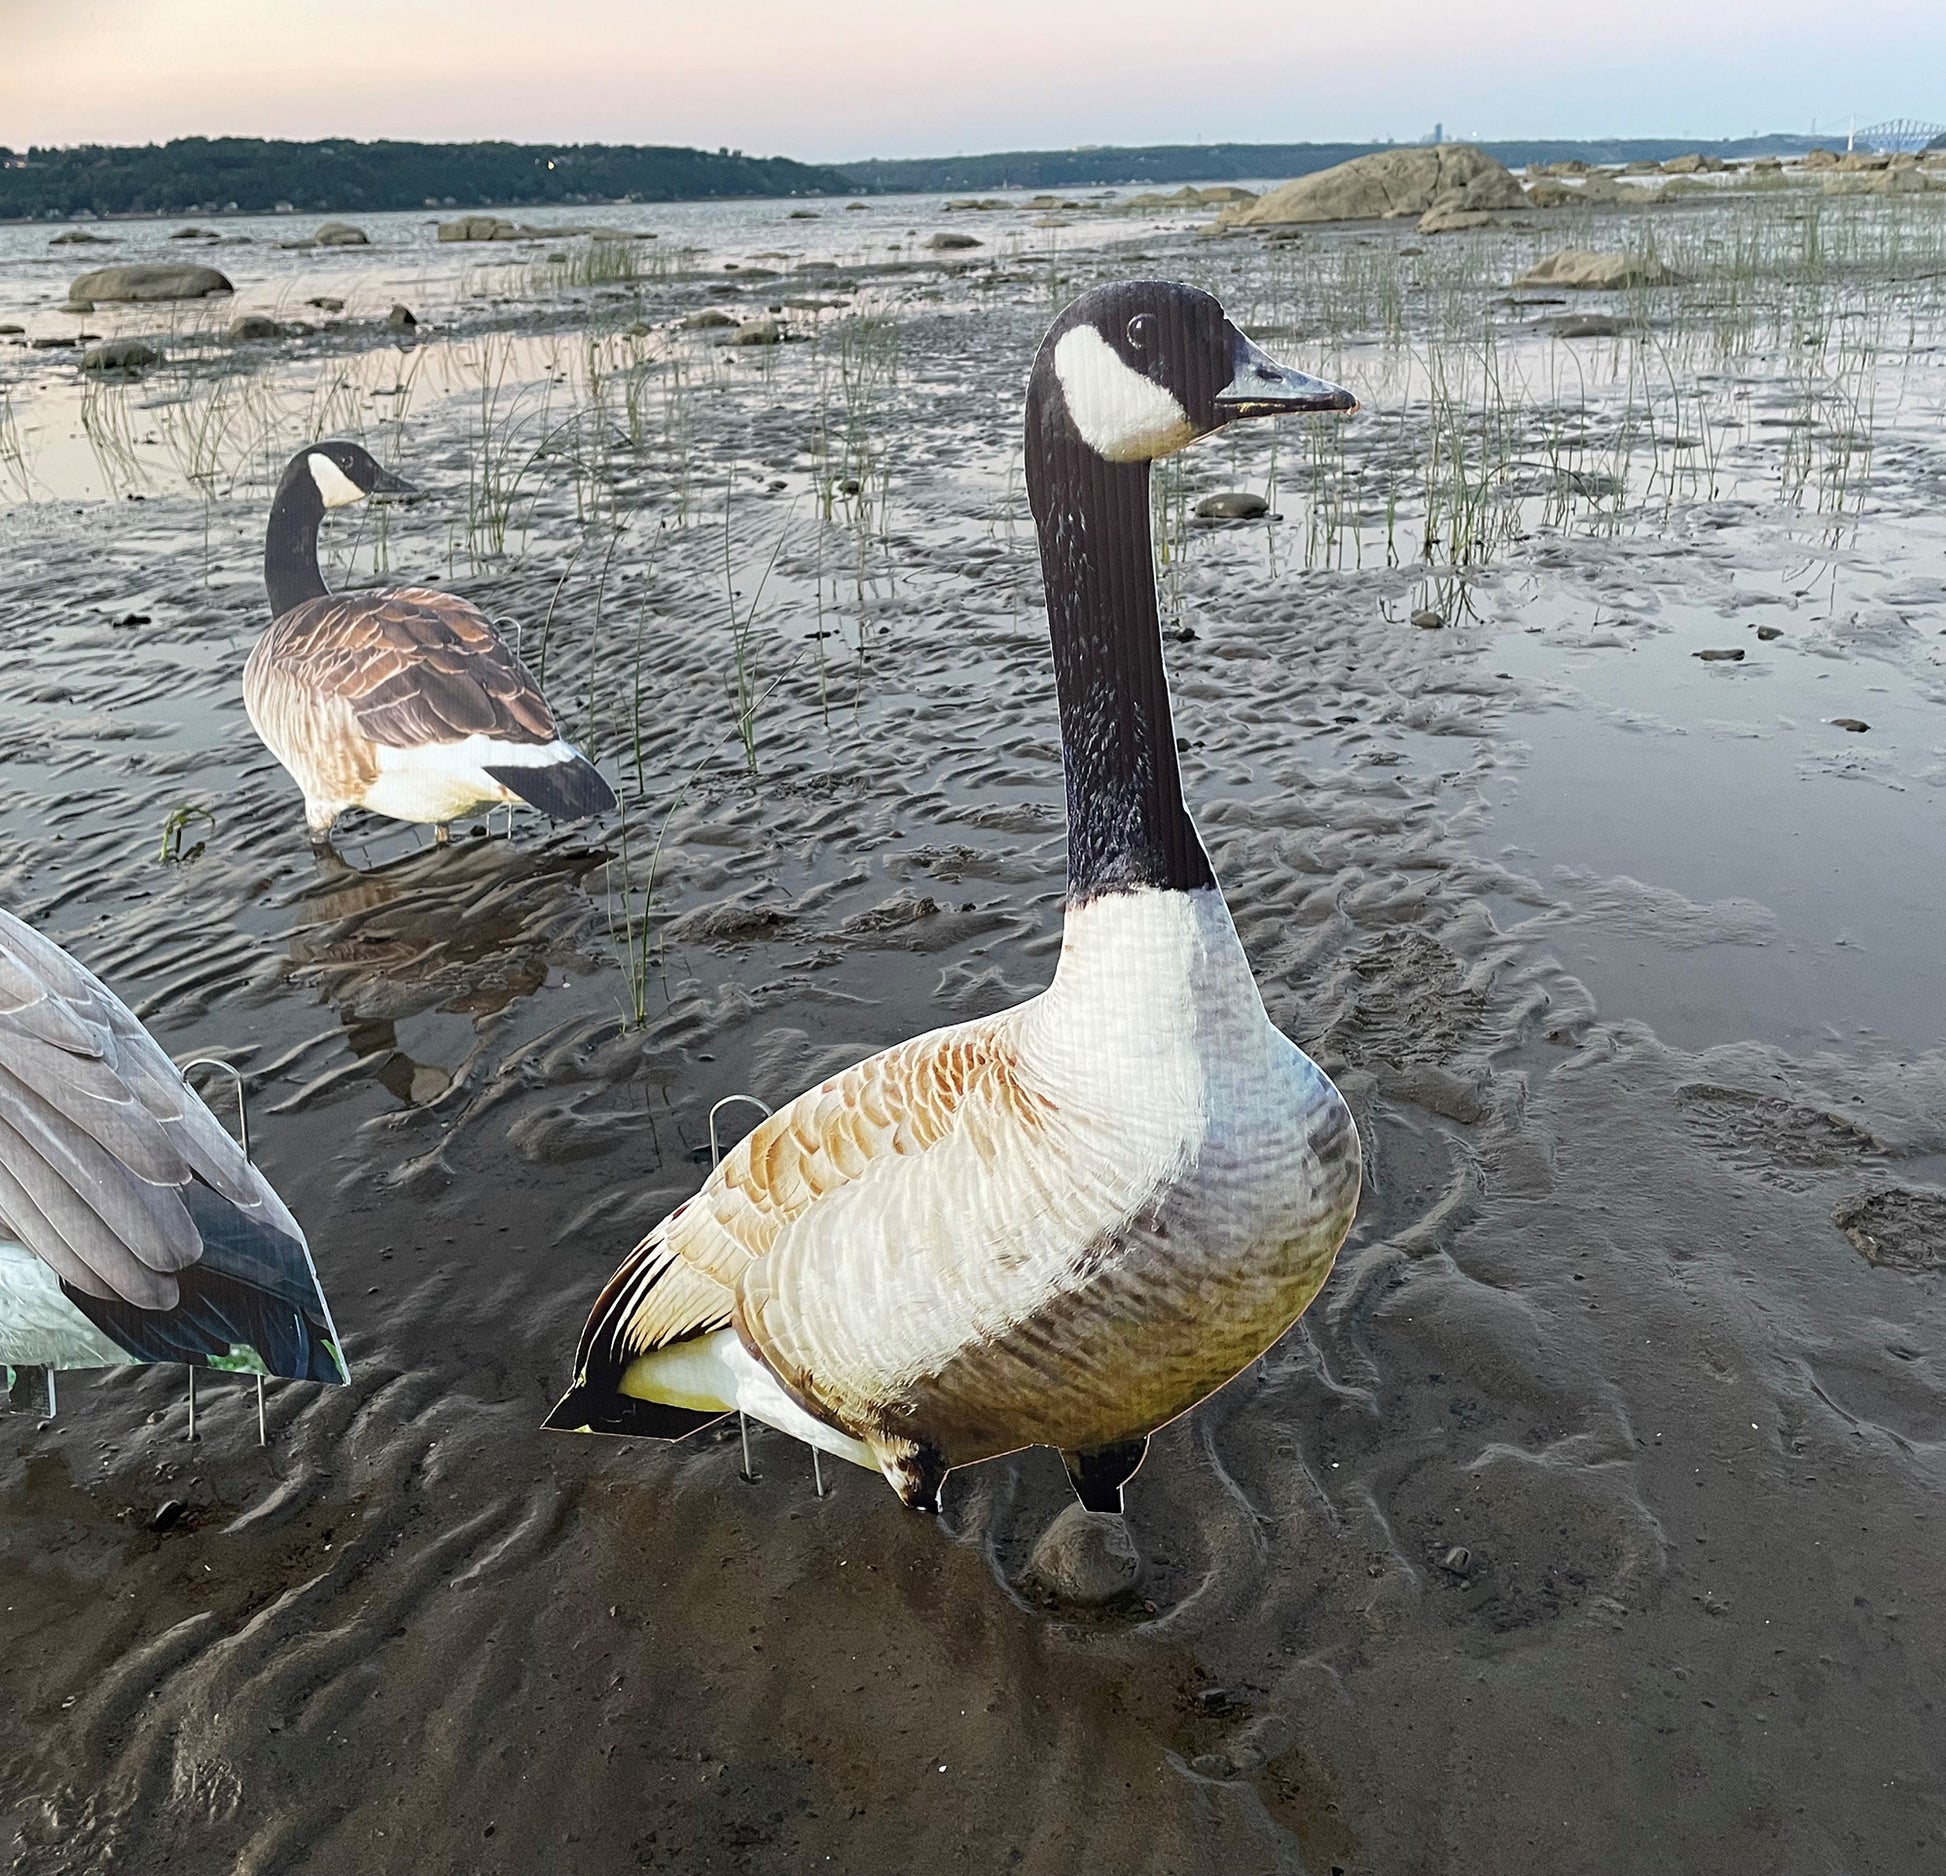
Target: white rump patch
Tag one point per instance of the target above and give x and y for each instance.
(337, 488)
(1121, 415)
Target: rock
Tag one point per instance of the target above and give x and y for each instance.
(1821, 159)
(802, 214)
(1450, 218)
(1589, 326)
(167, 1515)
(857, 208)
(326, 304)
(1233, 505)
(1588, 272)
(122, 358)
(1390, 183)
(401, 319)
(1856, 725)
(341, 234)
(52, 344)
(1683, 165)
(11, 331)
(756, 332)
(1768, 632)
(703, 321)
(1427, 619)
(1720, 654)
(1084, 1558)
(954, 241)
(80, 237)
(1547, 193)
(1856, 160)
(146, 280)
(193, 233)
(255, 326)
(478, 228)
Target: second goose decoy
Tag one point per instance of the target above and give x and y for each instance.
(133, 1228)
(402, 700)
(1066, 1224)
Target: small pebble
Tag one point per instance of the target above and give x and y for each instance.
(167, 1515)
(1768, 632)
(1857, 725)
(1232, 505)
(1457, 1559)
(1427, 620)
(1721, 654)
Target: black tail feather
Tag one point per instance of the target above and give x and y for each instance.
(252, 1289)
(583, 1409)
(567, 791)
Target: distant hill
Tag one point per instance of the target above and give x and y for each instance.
(210, 174)
(1236, 162)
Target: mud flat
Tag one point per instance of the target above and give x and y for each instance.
(1590, 1521)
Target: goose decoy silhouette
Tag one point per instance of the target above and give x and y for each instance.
(402, 700)
(133, 1228)
(1068, 1223)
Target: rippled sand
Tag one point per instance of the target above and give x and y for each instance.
(1589, 1522)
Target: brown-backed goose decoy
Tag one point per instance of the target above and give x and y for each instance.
(1066, 1224)
(402, 700)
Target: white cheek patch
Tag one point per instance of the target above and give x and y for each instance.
(1121, 415)
(337, 488)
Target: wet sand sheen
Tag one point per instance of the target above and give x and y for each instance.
(1606, 1465)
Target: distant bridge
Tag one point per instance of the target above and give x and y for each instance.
(1898, 133)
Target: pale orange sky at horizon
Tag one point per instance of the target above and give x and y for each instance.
(956, 75)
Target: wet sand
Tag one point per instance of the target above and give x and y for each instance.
(1589, 1521)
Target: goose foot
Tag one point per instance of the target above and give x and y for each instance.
(1099, 1474)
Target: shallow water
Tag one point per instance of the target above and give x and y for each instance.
(1606, 1463)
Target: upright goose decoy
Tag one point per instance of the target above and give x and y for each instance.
(402, 700)
(1066, 1224)
(133, 1228)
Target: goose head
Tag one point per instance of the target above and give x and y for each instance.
(1141, 368)
(344, 473)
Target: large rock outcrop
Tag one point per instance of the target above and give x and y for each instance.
(1388, 184)
(147, 280)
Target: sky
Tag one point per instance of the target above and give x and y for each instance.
(859, 78)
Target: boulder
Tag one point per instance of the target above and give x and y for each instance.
(400, 319)
(1547, 193)
(478, 228)
(1390, 183)
(1232, 505)
(193, 233)
(120, 358)
(341, 234)
(327, 303)
(756, 332)
(1085, 1559)
(11, 331)
(80, 237)
(703, 321)
(954, 241)
(255, 326)
(1855, 160)
(1821, 159)
(1582, 271)
(1451, 218)
(1683, 165)
(147, 280)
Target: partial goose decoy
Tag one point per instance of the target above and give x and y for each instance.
(133, 1228)
(1066, 1224)
(402, 700)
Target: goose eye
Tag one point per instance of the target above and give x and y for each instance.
(1141, 331)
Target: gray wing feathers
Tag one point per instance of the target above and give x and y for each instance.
(99, 1135)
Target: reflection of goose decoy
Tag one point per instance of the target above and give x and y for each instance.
(132, 1227)
(1066, 1224)
(400, 700)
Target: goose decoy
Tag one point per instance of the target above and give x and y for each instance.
(133, 1228)
(402, 700)
(1066, 1224)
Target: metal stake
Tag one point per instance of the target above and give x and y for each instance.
(263, 1433)
(236, 1075)
(743, 1433)
(817, 1471)
(50, 1393)
(192, 1399)
(715, 1157)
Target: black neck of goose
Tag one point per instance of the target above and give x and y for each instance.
(291, 573)
(1127, 827)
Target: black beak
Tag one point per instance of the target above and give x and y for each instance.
(1260, 387)
(396, 488)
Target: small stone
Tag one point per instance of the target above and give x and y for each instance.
(1233, 505)
(11, 331)
(1084, 1558)
(704, 321)
(341, 234)
(255, 326)
(943, 241)
(326, 304)
(126, 358)
(1856, 725)
(756, 332)
(401, 319)
(1457, 1560)
(1768, 632)
(1428, 620)
(1720, 654)
(168, 1515)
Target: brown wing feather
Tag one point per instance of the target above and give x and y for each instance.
(415, 667)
